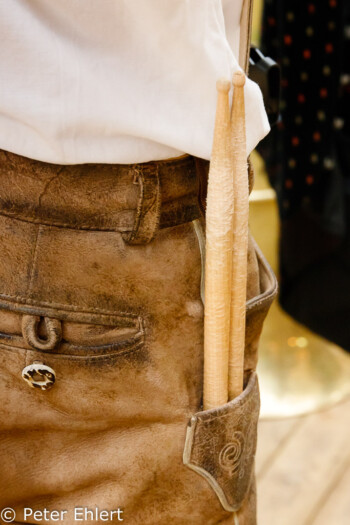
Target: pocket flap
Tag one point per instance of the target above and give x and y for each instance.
(221, 445)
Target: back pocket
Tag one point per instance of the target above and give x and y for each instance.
(82, 363)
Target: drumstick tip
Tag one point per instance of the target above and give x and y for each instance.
(223, 85)
(238, 79)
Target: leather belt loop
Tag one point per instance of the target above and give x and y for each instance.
(148, 209)
(131, 199)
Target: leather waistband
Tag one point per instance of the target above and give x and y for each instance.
(134, 199)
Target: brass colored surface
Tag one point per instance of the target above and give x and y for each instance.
(299, 372)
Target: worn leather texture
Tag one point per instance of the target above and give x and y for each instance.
(221, 445)
(110, 334)
(134, 199)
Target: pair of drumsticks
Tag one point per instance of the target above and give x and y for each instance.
(226, 249)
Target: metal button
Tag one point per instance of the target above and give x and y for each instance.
(38, 375)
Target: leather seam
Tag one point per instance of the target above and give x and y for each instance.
(34, 259)
(62, 306)
(107, 229)
(76, 357)
(42, 222)
(214, 418)
(109, 347)
(238, 401)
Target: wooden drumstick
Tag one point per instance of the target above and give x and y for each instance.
(240, 239)
(218, 267)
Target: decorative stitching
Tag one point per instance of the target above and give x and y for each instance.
(260, 300)
(68, 226)
(64, 307)
(237, 402)
(224, 453)
(134, 346)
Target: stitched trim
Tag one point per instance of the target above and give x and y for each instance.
(197, 226)
(15, 216)
(272, 287)
(259, 300)
(239, 401)
(88, 357)
(62, 306)
(231, 487)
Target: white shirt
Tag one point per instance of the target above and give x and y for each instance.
(117, 81)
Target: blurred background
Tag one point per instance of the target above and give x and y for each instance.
(299, 217)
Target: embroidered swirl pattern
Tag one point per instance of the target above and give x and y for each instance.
(224, 445)
(230, 456)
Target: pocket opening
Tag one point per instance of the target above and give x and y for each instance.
(221, 444)
(97, 337)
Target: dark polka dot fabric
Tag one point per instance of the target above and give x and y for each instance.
(311, 42)
(308, 160)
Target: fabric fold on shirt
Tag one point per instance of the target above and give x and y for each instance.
(118, 82)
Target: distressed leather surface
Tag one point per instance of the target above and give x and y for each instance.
(128, 366)
(221, 445)
(121, 326)
(123, 296)
(134, 199)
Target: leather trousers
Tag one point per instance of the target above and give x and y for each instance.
(101, 349)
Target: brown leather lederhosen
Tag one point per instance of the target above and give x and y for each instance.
(101, 312)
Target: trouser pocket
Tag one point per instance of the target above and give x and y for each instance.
(221, 444)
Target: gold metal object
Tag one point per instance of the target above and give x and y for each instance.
(299, 372)
(40, 376)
